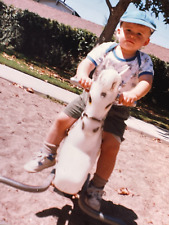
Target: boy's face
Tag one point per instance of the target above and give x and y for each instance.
(133, 36)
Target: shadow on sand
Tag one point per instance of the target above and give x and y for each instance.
(75, 216)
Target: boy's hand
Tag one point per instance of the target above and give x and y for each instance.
(85, 82)
(128, 98)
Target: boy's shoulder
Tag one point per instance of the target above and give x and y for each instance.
(111, 46)
(144, 57)
(143, 53)
(108, 43)
(102, 49)
(105, 47)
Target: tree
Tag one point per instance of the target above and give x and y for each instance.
(114, 17)
(156, 7)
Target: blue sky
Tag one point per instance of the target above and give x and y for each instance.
(97, 12)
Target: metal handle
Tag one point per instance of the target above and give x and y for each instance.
(29, 188)
(75, 81)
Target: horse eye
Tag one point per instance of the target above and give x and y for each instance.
(90, 99)
(95, 130)
(83, 125)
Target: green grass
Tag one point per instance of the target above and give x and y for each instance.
(151, 115)
(38, 70)
(59, 78)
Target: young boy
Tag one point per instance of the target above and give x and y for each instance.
(136, 70)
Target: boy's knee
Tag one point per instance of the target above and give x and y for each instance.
(64, 121)
(110, 143)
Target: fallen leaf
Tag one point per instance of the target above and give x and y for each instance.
(123, 191)
(30, 90)
(157, 140)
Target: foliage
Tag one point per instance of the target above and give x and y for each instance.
(159, 94)
(44, 39)
(10, 31)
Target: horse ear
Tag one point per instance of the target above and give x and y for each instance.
(116, 82)
(113, 85)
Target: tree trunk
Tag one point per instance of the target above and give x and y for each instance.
(114, 17)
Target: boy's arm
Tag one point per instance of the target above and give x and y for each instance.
(83, 71)
(142, 88)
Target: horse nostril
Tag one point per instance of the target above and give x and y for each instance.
(103, 94)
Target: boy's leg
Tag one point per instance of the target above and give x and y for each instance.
(105, 165)
(57, 132)
(114, 127)
(59, 128)
(46, 157)
(109, 150)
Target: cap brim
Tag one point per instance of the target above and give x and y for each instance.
(137, 21)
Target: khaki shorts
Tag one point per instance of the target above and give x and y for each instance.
(114, 122)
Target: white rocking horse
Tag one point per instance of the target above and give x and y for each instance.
(78, 152)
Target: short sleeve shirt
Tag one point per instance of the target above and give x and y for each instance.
(129, 69)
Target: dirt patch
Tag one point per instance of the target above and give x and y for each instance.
(136, 193)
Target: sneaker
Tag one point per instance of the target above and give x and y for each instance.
(93, 197)
(40, 162)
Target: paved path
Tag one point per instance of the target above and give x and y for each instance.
(63, 95)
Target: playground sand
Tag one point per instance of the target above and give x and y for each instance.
(137, 191)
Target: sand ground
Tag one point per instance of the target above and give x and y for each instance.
(141, 169)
